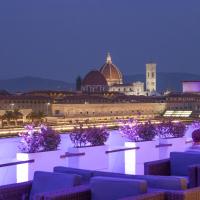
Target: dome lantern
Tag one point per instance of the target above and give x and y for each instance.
(109, 59)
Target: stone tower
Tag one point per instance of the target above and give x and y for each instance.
(151, 77)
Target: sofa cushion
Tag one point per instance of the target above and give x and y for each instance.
(49, 181)
(162, 182)
(180, 161)
(85, 174)
(108, 188)
(165, 182)
(110, 174)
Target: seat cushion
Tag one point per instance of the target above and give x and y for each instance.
(108, 188)
(49, 182)
(180, 161)
(162, 182)
(85, 174)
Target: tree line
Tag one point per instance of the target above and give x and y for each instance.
(15, 115)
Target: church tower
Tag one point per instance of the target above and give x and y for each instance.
(151, 77)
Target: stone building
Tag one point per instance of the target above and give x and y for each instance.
(107, 108)
(183, 105)
(151, 77)
(24, 101)
(114, 79)
(92, 112)
(93, 82)
(136, 88)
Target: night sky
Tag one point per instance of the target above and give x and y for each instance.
(61, 39)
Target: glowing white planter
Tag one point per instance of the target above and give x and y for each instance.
(135, 158)
(189, 143)
(93, 158)
(43, 161)
(167, 145)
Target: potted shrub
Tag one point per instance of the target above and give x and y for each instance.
(171, 137)
(190, 128)
(42, 146)
(89, 151)
(196, 141)
(196, 137)
(140, 136)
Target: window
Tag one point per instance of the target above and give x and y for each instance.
(57, 112)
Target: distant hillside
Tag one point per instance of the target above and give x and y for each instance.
(171, 81)
(24, 84)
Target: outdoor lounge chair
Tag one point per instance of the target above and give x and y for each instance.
(43, 182)
(182, 164)
(22, 191)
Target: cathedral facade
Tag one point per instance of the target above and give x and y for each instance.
(110, 78)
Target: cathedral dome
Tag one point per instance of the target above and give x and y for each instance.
(94, 77)
(111, 72)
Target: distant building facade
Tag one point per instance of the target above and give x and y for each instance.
(114, 80)
(191, 86)
(136, 88)
(24, 102)
(94, 82)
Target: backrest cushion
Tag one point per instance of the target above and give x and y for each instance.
(165, 182)
(180, 161)
(161, 182)
(111, 174)
(49, 182)
(85, 174)
(108, 188)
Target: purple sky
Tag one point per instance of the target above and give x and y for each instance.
(60, 39)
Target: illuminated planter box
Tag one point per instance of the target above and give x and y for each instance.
(43, 161)
(142, 152)
(167, 145)
(189, 143)
(93, 158)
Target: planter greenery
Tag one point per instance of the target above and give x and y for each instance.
(51, 138)
(44, 139)
(91, 136)
(146, 131)
(170, 129)
(196, 136)
(178, 129)
(136, 132)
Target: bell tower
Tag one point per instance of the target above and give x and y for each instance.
(151, 77)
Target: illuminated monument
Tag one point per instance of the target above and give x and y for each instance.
(151, 77)
(110, 78)
(111, 72)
